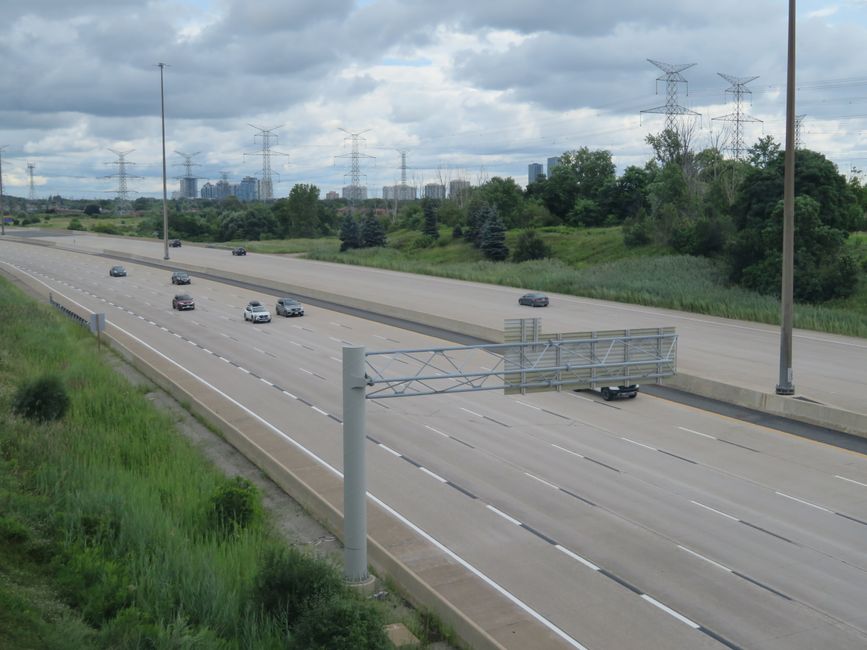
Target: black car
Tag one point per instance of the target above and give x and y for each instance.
(612, 392)
(534, 300)
(289, 307)
(181, 277)
(183, 301)
(175, 243)
(117, 272)
(240, 250)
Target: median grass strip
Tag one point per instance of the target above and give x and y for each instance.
(116, 533)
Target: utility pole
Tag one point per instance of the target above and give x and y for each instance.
(165, 193)
(2, 216)
(785, 386)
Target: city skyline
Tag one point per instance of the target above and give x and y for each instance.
(482, 91)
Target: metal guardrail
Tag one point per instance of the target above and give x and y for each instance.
(68, 312)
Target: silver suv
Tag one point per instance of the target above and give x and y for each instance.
(256, 312)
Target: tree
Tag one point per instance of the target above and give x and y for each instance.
(92, 209)
(349, 234)
(493, 244)
(372, 231)
(429, 209)
(763, 152)
(582, 174)
(530, 247)
(299, 214)
(505, 195)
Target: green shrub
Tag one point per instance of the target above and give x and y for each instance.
(96, 586)
(289, 583)
(530, 247)
(75, 224)
(42, 399)
(341, 624)
(235, 505)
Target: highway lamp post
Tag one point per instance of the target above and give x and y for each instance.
(785, 385)
(165, 198)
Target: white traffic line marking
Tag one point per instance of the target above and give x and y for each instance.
(535, 408)
(334, 339)
(444, 435)
(319, 410)
(850, 480)
(265, 381)
(706, 559)
(478, 415)
(177, 335)
(164, 329)
(430, 473)
(298, 345)
(287, 393)
(243, 370)
(639, 444)
(586, 399)
(503, 515)
(806, 503)
(207, 350)
(541, 480)
(336, 359)
(668, 610)
(576, 557)
(225, 359)
(701, 505)
(390, 450)
(191, 342)
(259, 350)
(568, 451)
(698, 433)
(305, 370)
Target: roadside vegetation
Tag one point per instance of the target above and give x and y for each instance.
(116, 533)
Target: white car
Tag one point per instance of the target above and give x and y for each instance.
(256, 312)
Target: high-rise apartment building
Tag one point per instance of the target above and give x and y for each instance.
(332, 196)
(534, 170)
(399, 192)
(247, 189)
(434, 191)
(552, 164)
(458, 188)
(355, 192)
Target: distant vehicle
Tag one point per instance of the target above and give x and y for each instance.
(256, 312)
(534, 300)
(183, 301)
(289, 307)
(117, 272)
(181, 277)
(613, 392)
(175, 243)
(240, 250)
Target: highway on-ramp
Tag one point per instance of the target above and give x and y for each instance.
(635, 524)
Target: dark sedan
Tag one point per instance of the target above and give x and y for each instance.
(533, 300)
(240, 250)
(180, 277)
(117, 272)
(183, 301)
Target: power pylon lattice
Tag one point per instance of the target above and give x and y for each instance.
(32, 195)
(122, 176)
(188, 180)
(672, 77)
(355, 157)
(799, 119)
(738, 90)
(267, 137)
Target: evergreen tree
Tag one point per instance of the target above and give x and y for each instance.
(349, 235)
(372, 232)
(493, 242)
(430, 227)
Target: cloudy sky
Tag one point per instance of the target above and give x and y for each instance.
(469, 89)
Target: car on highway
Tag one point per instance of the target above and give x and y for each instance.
(613, 392)
(289, 307)
(117, 272)
(533, 300)
(175, 243)
(256, 312)
(183, 301)
(181, 277)
(239, 250)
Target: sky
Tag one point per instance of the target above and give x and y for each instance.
(468, 89)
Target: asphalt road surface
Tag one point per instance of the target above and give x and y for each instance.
(633, 524)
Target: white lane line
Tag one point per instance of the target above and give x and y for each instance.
(639, 444)
(806, 503)
(668, 610)
(541, 480)
(243, 370)
(305, 370)
(586, 399)
(334, 339)
(297, 345)
(576, 557)
(568, 451)
(478, 415)
(178, 335)
(164, 329)
(336, 359)
(706, 559)
(503, 515)
(390, 450)
(535, 408)
(698, 433)
(319, 410)
(150, 322)
(701, 505)
(225, 359)
(485, 368)
(207, 350)
(377, 336)
(287, 393)
(851, 480)
(191, 342)
(430, 473)
(444, 435)
(259, 350)
(226, 335)
(265, 381)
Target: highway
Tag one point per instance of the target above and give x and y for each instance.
(634, 524)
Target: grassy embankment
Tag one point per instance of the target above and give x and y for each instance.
(116, 533)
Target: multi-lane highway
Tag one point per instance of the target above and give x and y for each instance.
(636, 524)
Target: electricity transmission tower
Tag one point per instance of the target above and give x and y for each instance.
(122, 175)
(672, 77)
(188, 180)
(30, 168)
(354, 173)
(799, 119)
(401, 192)
(267, 138)
(738, 90)
(2, 214)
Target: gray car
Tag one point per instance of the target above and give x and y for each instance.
(289, 307)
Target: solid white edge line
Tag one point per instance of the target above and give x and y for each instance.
(444, 435)
(541, 480)
(433, 475)
(639, 444)
(806, 503)
(391, 451)
(576, 557)
(394, 513)
(706, 559)
(668, 610)
(568, 451)
(503, 514)
(851, 480)
(701, 505)
(698, 433)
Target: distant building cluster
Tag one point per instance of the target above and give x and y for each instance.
(332, 196)
(247, 190)
(399, 192)
(458, 188)
(355, 192)
(434, 191)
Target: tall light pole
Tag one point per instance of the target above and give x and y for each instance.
(785, 385)
(2, 216)
(165, 197)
